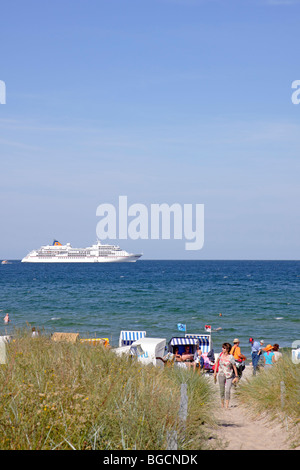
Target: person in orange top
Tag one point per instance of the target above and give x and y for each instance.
(238, 356)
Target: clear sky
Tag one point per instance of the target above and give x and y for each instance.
(164, 101)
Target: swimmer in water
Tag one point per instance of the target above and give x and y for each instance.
(6, 318)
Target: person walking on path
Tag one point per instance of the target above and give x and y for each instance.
(227, 373)
(255, 353)
(238, 356)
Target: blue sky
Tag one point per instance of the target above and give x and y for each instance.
(164, 101)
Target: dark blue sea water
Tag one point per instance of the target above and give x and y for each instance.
(256, 298)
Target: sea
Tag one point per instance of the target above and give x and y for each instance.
(238, 299)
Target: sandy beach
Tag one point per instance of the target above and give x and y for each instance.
(239, 429)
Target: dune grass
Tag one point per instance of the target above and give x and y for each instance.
(277, 392)
(78, 396)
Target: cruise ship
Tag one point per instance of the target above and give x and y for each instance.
(97, 253)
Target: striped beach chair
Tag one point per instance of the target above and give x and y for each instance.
(181, 342)
(204, 341)
(128, 337)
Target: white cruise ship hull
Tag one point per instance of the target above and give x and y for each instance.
(97, 253)
(33, 259)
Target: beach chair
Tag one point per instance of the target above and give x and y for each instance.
(205, 344)
(181, 342)
(96, 341)
(128, 337)
(67, 337)
(3, 341)
(204, 341)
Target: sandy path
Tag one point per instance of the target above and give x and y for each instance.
(238, 430)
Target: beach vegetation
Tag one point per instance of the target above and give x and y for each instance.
(276, 392)
(59, 396)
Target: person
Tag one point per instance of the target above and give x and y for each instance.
(269, 357)
(187, 355)
(227, 373)
(238, 356)
(261, 359)
(198, 359)
(255, 353)
(6, 318)
(168, 359)
(211, 355)
(178, 357)
(34, 332)
(277, 353)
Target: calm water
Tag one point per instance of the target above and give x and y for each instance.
(256, 298)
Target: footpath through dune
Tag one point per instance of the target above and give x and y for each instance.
(238, 429)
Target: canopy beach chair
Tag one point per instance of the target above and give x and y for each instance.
(181, 342)
(204, 341)
(128, 337)
(206, 346)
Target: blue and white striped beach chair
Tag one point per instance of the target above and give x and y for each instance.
(128, 337)
(181, 342)
(204, 341)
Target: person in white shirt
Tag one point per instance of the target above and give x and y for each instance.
(277, 353)
(34, 332)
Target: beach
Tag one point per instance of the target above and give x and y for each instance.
(44, 376)
(259, 299)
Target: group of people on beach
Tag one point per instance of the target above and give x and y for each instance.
(269, 355)
(194, 360)
(231, 363)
